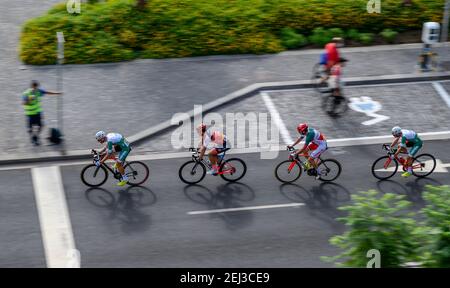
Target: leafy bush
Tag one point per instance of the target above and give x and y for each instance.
(179, 28)
(437, 212)
(376, 222)
(320, 36)
(291, 39)
(389, 35)
(353, 34)
(366, 38)
(336, 32)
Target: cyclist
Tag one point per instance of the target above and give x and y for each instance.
(335, 80)
(315, 142)
(406, 138)
(115, 143)
(217, 140)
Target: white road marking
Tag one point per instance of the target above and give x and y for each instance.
(339, 142)
(54, 219)
(359, 86)
(277, 119)
(246, 208)
(442, 92)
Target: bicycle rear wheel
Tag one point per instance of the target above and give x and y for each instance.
(192, 172)
(318, 72)
(137, 172)
(288, 171)
(232, 169)
(384, 168)
(94, 176)
(330, 170)
(423, 165)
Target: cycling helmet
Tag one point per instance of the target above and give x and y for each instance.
(396, 131)
(302, 128)
(100, 135)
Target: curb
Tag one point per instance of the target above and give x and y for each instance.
(223, 101)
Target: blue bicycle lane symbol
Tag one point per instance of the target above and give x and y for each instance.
(369, 107)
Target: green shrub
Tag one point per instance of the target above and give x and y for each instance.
(336, 32)
(366, 38)
(380, 222)
(291, 39)
(389, 35)
(437, 212)
(353, 34)
(320, 36)
(179, 28)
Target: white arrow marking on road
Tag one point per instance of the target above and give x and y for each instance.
(440, 167)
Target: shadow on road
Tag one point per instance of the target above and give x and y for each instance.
(412, 190)
(125, 205)
(226, 196)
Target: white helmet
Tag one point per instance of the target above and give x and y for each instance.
(100, 135)
(396, 131)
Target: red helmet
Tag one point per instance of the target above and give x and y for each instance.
(302, 128)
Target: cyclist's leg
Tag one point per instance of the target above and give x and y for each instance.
(413, 152)
(316, 153)
(121, 159)
(213, 156)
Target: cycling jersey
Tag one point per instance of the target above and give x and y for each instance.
(410, 137)
(316, 142)
(214, 138)
(314, 136)
(115, 139)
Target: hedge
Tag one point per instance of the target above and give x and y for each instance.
(117, 30)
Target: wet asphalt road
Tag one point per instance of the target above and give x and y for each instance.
(150, 226)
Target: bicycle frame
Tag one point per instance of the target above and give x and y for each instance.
(117, 175)
(402, 161)
(296, 160)
(195, 156)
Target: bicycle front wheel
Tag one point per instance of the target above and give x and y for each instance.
(423, 165)
(288, 171)
(330, 170)
(384, 168)
(137, 172)
(94, 176)
(233, 170)
(192, 172)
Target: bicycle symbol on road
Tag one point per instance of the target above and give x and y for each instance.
(369, 107)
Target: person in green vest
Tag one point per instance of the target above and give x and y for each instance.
(33, 110)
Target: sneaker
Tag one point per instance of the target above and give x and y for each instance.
(307, 165)
(213, 171)
(406, 174)
(123, 181)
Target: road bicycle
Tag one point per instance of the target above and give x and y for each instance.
(194, 171)
(95, 176)
(333, 105)
(386, 166)
(290, 170)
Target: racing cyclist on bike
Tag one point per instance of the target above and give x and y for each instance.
(115, 143)
(406, 138)
(315, 142)
(215, 138)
